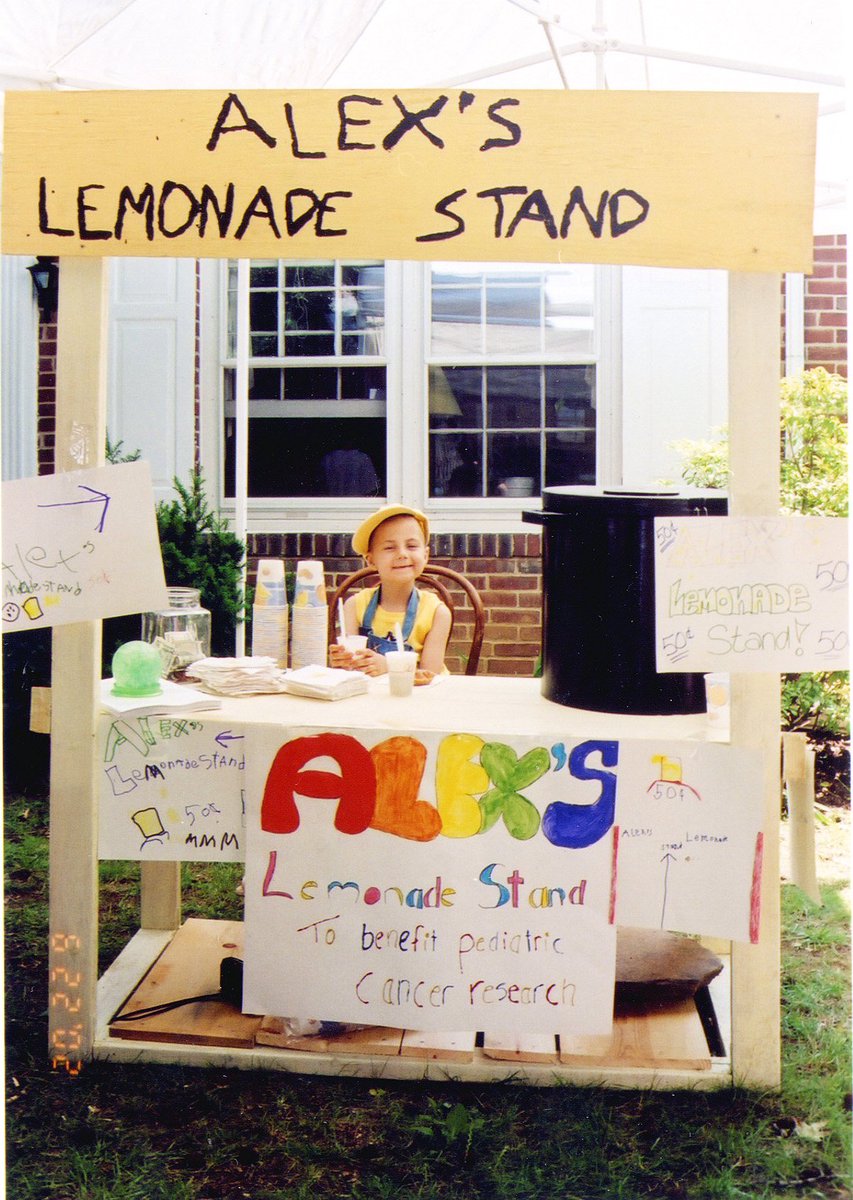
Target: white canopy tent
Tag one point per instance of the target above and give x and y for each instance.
(728, 45)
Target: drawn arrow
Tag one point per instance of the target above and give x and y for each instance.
(667, 858)
(228, 736)
(95, 498)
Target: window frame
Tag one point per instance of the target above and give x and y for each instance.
(407, 298)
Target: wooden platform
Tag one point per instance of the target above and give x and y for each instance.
(655, 1037)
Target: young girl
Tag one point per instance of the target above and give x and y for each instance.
(395, 542)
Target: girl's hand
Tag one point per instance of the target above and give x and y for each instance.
(369, 662)
(341, 658)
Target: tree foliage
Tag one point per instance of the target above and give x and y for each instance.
(200, 551)
(813, 480)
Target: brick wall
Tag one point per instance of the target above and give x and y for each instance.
(505, 569)
(826, 305)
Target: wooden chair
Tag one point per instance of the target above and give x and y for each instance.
(438, 579)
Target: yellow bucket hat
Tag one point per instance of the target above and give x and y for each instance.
(362, 535)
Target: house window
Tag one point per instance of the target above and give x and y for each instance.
(317, 379)
(511, 379)
(444, 385)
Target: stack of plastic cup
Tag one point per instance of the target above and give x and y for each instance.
(269, 612)
(310, 616)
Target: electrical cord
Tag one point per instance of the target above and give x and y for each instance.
(230, 992)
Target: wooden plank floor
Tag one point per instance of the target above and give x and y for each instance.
(662, 1037)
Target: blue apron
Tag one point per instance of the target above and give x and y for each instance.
(382, 645)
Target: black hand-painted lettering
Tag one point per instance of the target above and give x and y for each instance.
(595, 223)
(294, 139)
(259, 206)
(344, 120)
(249, 125)
(514, 130)
(443, 209)
(224, 213)
(44, 225)
(413, 120)
(534, 207)
(323, 207)
(143, 204)
(86, 234)
(617, 227)
(293, 221)
(466, 99)
(498, 194)
(193, 206)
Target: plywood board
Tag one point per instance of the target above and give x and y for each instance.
(439, 1047)
(567, 176)
(669, 1037)
(541, 1048)
(373, 1039)
(189, 966)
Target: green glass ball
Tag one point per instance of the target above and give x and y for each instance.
(137, 668)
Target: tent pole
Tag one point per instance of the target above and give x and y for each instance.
(241, 402)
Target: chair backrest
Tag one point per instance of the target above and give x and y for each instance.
(442, 580)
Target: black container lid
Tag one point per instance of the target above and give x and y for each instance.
(635, 502)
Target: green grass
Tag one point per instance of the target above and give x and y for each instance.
(147, 1132)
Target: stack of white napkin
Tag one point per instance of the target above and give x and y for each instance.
(238, 676)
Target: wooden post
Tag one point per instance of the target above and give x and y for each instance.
(798, 763)
(754, 373)
(76, 672)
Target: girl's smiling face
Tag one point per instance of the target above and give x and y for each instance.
(397, 549)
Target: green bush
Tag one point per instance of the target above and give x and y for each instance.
(200, 551)
(813, 480)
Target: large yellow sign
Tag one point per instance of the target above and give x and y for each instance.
(668, 178)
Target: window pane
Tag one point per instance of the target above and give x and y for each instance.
(513, 397)
(514, 464)
(456, 465)
(570, 458)
(313, 383)
(455, 398)
(570, 397)
(513, 317)
(297, 457)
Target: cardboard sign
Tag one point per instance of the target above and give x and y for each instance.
(752, 594)
(443, 881)
(662, 178)
(80, 545)
(172, 789)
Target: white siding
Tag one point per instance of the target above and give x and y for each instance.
(674, 366)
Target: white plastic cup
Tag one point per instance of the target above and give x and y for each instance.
(718, 699)
(401, 671)
(352, 641)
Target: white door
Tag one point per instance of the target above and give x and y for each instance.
(152, 365)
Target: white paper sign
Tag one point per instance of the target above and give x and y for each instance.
(171, 789)
(690, 841)
(752, 594)
(80, 545)
(443, 881)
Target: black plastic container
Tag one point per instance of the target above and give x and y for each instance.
(598, 598)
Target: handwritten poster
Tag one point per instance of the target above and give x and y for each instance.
(752, 594)
(471, 174)
(80, 545)
(172, 788)
(445, 881)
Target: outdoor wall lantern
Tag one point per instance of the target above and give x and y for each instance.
(45, 274)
